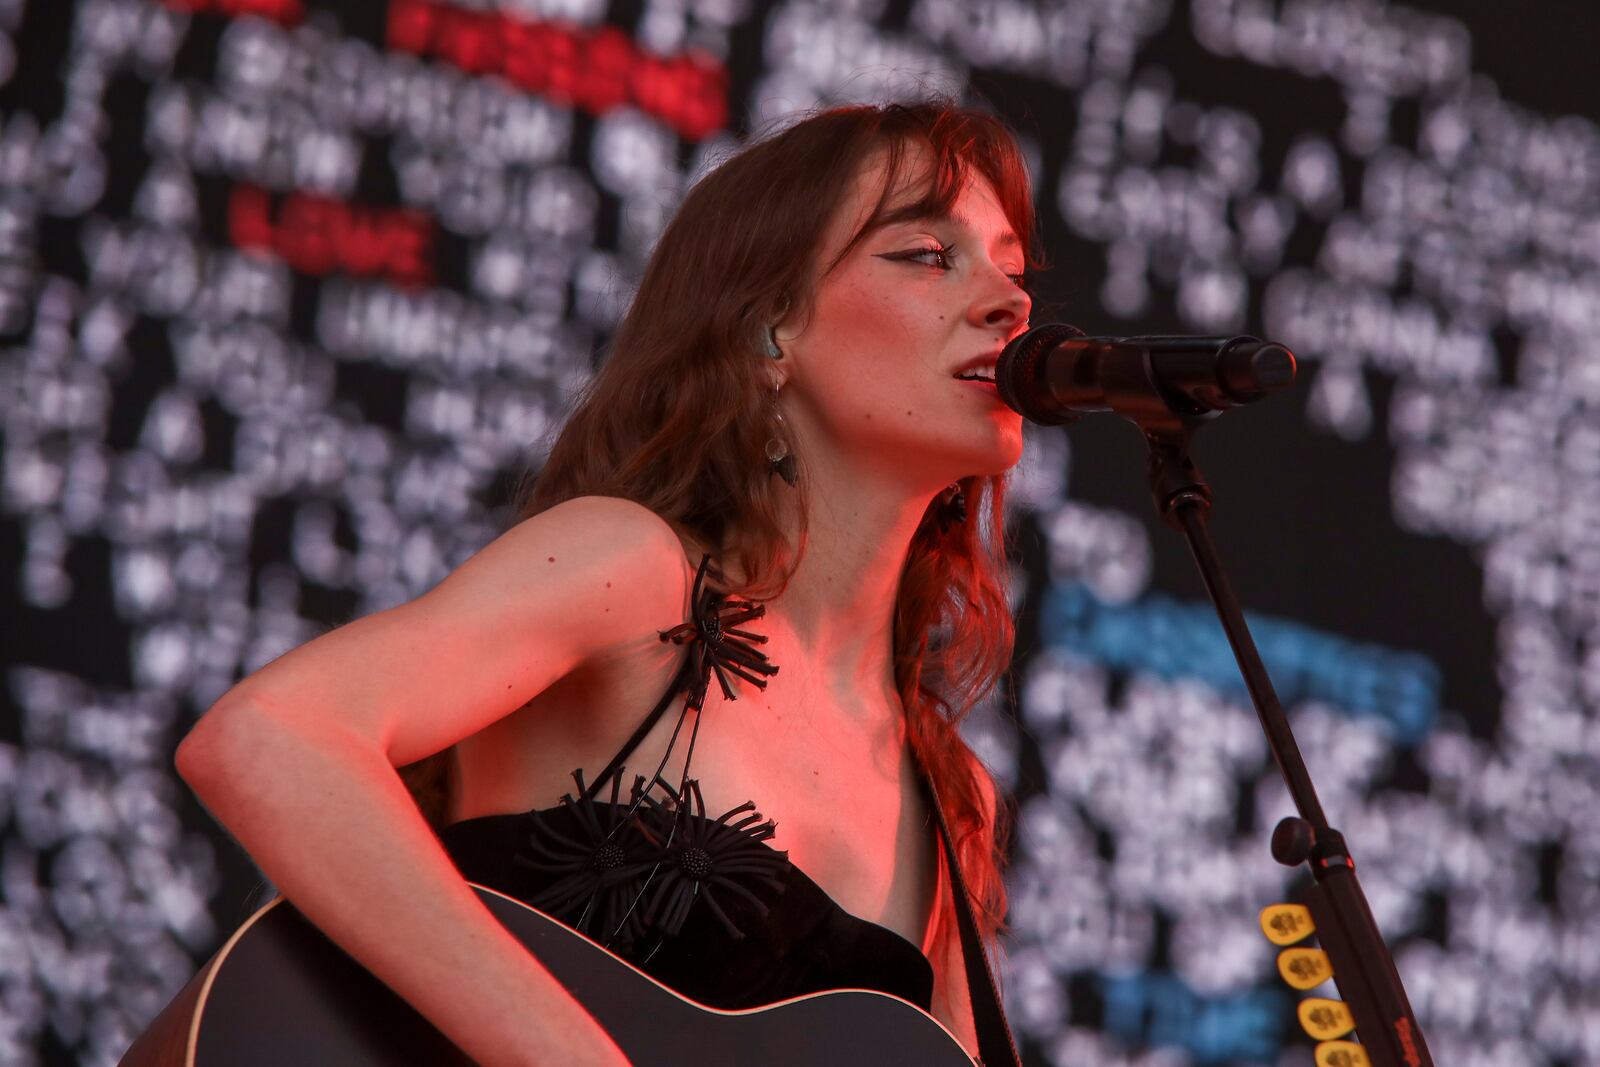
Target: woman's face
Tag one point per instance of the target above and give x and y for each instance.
(872, 369)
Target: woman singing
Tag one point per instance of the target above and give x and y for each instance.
(764, 562)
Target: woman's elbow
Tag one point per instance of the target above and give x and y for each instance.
(206, 748)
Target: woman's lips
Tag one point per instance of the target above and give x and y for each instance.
(979, 383)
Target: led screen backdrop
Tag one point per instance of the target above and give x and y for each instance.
(290, 290)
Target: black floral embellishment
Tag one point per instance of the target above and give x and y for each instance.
(601, 872)
(624, 872)
(716, 644)
(706, 857)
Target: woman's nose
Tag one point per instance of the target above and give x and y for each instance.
(1002, 303)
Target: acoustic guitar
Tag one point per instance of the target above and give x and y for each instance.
(279, 992)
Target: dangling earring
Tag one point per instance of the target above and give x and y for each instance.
(952, 510)
(780, 460)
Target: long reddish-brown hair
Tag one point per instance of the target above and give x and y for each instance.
(678, 416)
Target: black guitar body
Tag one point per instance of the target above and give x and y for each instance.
(281, 993)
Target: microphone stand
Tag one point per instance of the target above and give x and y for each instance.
(1363, 968)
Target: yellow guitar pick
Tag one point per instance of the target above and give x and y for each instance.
(1284, 924)
(1325, 1019)
(1304, 968)
(1342, 1054)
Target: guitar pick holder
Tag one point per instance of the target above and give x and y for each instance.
(1363, 968)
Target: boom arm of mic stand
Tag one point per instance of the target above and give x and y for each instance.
(1363, 967)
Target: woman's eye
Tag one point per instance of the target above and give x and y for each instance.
(939, 256)
(940, 253)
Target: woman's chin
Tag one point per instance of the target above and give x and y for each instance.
(1008, 446)
(993, 462)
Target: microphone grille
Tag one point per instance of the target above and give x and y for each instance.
(1021, 365)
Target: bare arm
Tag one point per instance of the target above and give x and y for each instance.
(298, 763)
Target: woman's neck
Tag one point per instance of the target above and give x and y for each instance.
(837, 612)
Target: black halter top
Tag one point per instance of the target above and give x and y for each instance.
(702, 904)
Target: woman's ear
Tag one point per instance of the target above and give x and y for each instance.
(786, 325)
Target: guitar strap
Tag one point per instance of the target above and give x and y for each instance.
(996, 1046)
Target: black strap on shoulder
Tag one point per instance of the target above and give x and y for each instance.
(714, 645)
(680, 681)
(996, 1046)
(683, 681)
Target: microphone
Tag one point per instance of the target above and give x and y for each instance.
(1053, 374)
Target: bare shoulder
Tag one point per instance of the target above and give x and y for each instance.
(628, 558)
(581, 581)
(609, 531)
